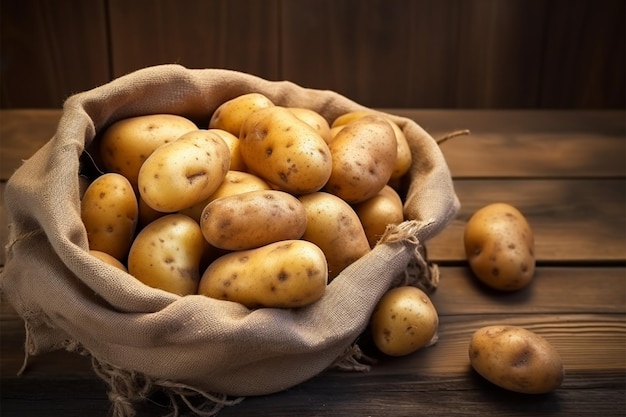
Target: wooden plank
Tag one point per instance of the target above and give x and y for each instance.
(240, 35)
(573, 220)
(51, 50)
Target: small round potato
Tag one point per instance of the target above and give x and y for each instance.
(180, 174)
(364, 154)
(166, 254)
(106, 258)
(109, 211)
(231, 114)
(285, 151)
(127, 143)
(333, 225)
(313, 119)
(516, 359)
(286, 274)
(253, 219)
(378, 212)
(404, 321)
(499, 245)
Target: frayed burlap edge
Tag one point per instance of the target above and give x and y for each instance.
(419, 273)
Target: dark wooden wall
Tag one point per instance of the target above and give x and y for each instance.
(382, 53)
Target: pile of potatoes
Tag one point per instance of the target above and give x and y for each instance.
(264, 205)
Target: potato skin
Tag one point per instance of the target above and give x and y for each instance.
(106, 258)
(253, 219)
(286, 274)
(376, 213)
(499, 245)
(166, 254)
(127, 143)
(364, 154)
(180, 174)
(236, 161)
(110, 213)
(313, 119)
(333, 225)
(231, 114)
(516, 359)
(285, 151)
(404, 321)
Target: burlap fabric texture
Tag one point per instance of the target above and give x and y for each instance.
(149, 338)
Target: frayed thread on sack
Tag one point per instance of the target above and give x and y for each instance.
(9, 246)
(353, 359)
(128, 387)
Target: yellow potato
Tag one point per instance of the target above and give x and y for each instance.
(236, 161)
(109, 211)
(285, 151)
(499, 245)
(404, 321)
(235, 182)
(230, 115)
(166, 254)
(516, 359)
(363, 158)
(253, 219)
(350, 117)
(180, 174)
(313, 119)
(378, 212)
(333, 225)
(286, 274)
(127, 143)
(106, 258)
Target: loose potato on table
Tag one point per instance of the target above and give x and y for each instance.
(109, 211)
(499, 245)
(180, 174)
(516, 359)
(286, 274)
(166, 254)
(364, 154)
(231, 114)
(285, 151)
(333, 225)
(404, 321)
(253, 219)
(127, 143)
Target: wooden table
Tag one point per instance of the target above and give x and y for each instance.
(565, 170)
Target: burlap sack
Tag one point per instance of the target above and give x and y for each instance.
(142, 338)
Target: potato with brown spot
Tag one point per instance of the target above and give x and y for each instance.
(516, 359)
(285, 151)
(110, 212)
(253, 219)
(404, 321)
(499, 246)
(166, 254)
(182, 173)
(364, 154)
(127, 143)
(286, 274)
(333, 225)
(231, 114)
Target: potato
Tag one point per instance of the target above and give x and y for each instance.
(230, 115)
(166, 254)
(313, 119)
(106, 258)
(516, 359)
(363, 158)
(180, 174)
(127, 143)
(236, 161)
(109, 211)
(286, 274)
(235, 182)
(376, 213)
(253, 219)
(285, 151)
(404, 321)
(333, 225)
(499, 245)
(350, 117)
